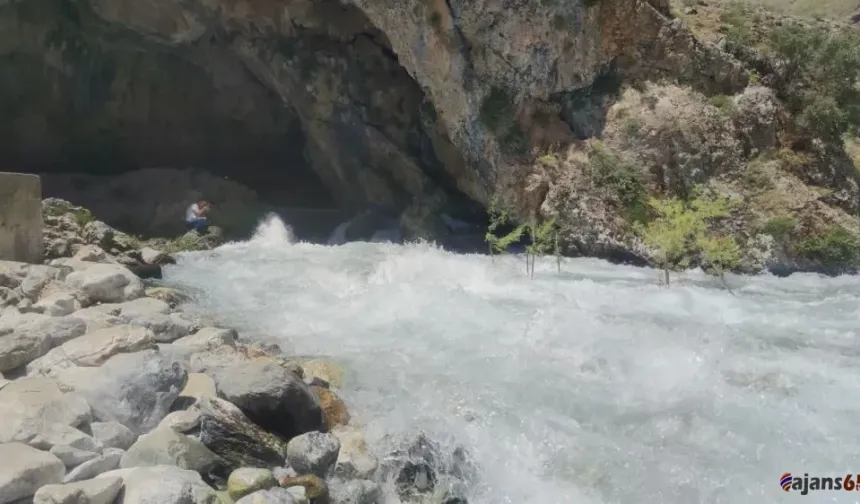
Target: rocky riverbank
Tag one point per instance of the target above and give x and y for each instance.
(111, 392)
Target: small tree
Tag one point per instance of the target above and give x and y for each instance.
(543, 237)
(680, 235)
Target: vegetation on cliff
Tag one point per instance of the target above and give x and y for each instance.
(760, 176)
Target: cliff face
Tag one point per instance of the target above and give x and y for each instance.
(418, 105)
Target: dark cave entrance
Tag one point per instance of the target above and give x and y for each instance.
(101, 128)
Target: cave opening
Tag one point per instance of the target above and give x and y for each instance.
(135, 130)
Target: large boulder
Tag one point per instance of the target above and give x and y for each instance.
(313, 453)
(164, 446)
(225, 430)
(24, 470)
(30, 405)
(94, 491)
(163, 484)
(272, 396)
(20, 346)
(107, 283)
(134, 389)
(94, 348)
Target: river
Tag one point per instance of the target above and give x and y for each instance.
(593, 385)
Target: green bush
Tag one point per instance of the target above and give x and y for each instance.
(779, 227)
(609, 170)
(822, 72)
(835, 248)
(681, 236)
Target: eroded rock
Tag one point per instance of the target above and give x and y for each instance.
(134, 389)
(163, 484)
(313, 453)
(273, 397)
(31, 470)
(226, 431)
(94, 491)
(165, 446)
(107, 283)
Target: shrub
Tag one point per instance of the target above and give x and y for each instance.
(822, 71)
(609, 170)
(836, 248)
(543, 236)
(722, 102)
(779, 227)
(680, 235)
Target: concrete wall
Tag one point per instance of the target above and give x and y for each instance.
(20, 217)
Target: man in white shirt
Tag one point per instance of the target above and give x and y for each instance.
(195, 216)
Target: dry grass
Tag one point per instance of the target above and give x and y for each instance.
(838, 10)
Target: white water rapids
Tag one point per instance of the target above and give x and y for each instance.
(594, 385)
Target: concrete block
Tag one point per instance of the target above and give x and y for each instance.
(20, 217)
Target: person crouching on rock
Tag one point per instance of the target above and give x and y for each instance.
(195, 216)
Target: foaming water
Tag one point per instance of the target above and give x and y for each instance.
(593, 385)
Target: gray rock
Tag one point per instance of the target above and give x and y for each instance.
(299, 494)
(134, 389)
(181, 421)
(92, 253)
(226, 431)
(99, 317)
(17, 346)
(60, 329)
(12, 273)
(166, 447)
(268, 496)
(58, 304)
(9, 297)
(107, 283)
(354, 460)
(38, 276)
(93, 349)
(354, 492)
(199, 385)
(209, 338)
(55, 434)
(167, 328)
(113, 434)
(72, 457)
(273, 397)
(29, 336)
(95, 491)
(163, 485)
(107, 461)
(247, 480)
(313, 453)
(38, 400)
(143, 306)
(150, 255)
(31, 470)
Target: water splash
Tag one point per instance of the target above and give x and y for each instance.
(593, 385)
(272, 232)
